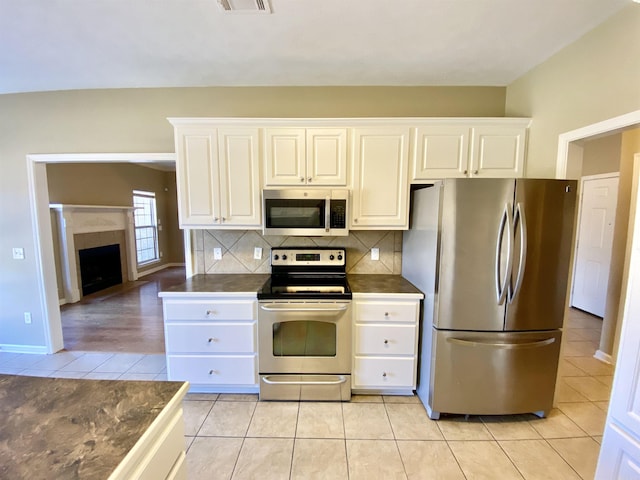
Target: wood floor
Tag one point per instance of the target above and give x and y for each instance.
(124, 318)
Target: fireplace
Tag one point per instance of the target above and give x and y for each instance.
(100, 268)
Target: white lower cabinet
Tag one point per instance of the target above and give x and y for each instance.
(385, 344)
(211, 342)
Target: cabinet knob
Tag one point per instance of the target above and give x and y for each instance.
(475, 172)
(386, 314)
(223, 219)
(384, 374)
(210, 312)
(213, 339)
(213, 372)
(309, 179)
(216, 219)
(302, 179)
(466, 172)
(386, 342)
(355, 220)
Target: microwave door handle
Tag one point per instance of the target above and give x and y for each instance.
(327, 213)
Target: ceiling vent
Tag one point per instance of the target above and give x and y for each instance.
(245, 6)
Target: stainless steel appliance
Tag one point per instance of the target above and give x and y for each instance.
(304, 326)
(492, 257)
(307, 212)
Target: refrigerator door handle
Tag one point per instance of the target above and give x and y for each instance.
(501, 284)
(519, 218)
(505, 346)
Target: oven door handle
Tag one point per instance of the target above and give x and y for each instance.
(274, 307)
(339, 380)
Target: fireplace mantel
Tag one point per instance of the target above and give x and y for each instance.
(77, 219)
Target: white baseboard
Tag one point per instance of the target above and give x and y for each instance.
(603, 357)
(41, 349)
(62, 301)
(158, 268)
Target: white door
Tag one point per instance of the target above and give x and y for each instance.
(620, 451)
(595, 236)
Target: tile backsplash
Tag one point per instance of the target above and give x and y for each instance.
(238, 247)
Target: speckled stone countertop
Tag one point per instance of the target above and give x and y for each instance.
(58, 428)
(219, 283)
(365, 283)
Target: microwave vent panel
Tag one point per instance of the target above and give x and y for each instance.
(245, 6)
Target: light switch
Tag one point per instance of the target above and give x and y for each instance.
(375, 253)
(257, 253)
(217, 253)
(18, 253)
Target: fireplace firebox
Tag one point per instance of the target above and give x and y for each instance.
(100, 268)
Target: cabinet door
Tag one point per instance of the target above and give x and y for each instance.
(285, 156)
(497, 152)
(380, 180)
(197, 175)
(441, 151)
(239, 177)
(327, 156)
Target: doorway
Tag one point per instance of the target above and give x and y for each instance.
(41, 220)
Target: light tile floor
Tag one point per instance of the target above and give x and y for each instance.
(372, 437)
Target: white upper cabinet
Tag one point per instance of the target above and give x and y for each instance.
(239, 176)
(441, 151)
(461, 148)
(497, 151)
(299, 156)
(218, 175)
(380, 178)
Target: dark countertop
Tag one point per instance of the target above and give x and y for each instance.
(74, 429)
(390, 284)
(251, 282)
(220, 283)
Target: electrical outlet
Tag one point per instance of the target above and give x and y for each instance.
(375, 253)
(161, 254)
(18, 253)
(27, 317)
(257, 253)
(217, 253)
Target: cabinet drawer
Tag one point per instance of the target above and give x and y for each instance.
(213, 369)
(199, 310)
(386, 311)
(211, 338)
(385, 339)
(384, 372)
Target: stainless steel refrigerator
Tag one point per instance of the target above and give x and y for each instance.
(492, 257)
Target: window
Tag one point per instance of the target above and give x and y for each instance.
(146, 226)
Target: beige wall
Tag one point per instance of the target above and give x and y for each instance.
(630, 145)
(134, 120)
(591, 80)
(601, 155)
(113, 184)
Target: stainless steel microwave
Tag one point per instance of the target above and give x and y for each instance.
(306, 212)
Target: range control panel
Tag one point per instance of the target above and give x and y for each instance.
(299, 257)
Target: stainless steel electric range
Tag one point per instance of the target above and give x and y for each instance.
(304, 326)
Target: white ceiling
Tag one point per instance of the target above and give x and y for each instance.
(78, 44)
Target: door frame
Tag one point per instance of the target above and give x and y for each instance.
(43, 236)
(584, 179)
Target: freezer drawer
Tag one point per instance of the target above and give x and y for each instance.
(493, 373)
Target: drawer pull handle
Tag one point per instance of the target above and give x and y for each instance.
(213, 339)
(211, 312)
(386, 314)
(384, 374)
(386, 342)
(213, 372)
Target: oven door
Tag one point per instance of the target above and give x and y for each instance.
(304, 350)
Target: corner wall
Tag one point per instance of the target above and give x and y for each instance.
(594, 79)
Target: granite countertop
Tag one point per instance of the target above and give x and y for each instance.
(389, 284)
(220, 283)
(74, 429)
